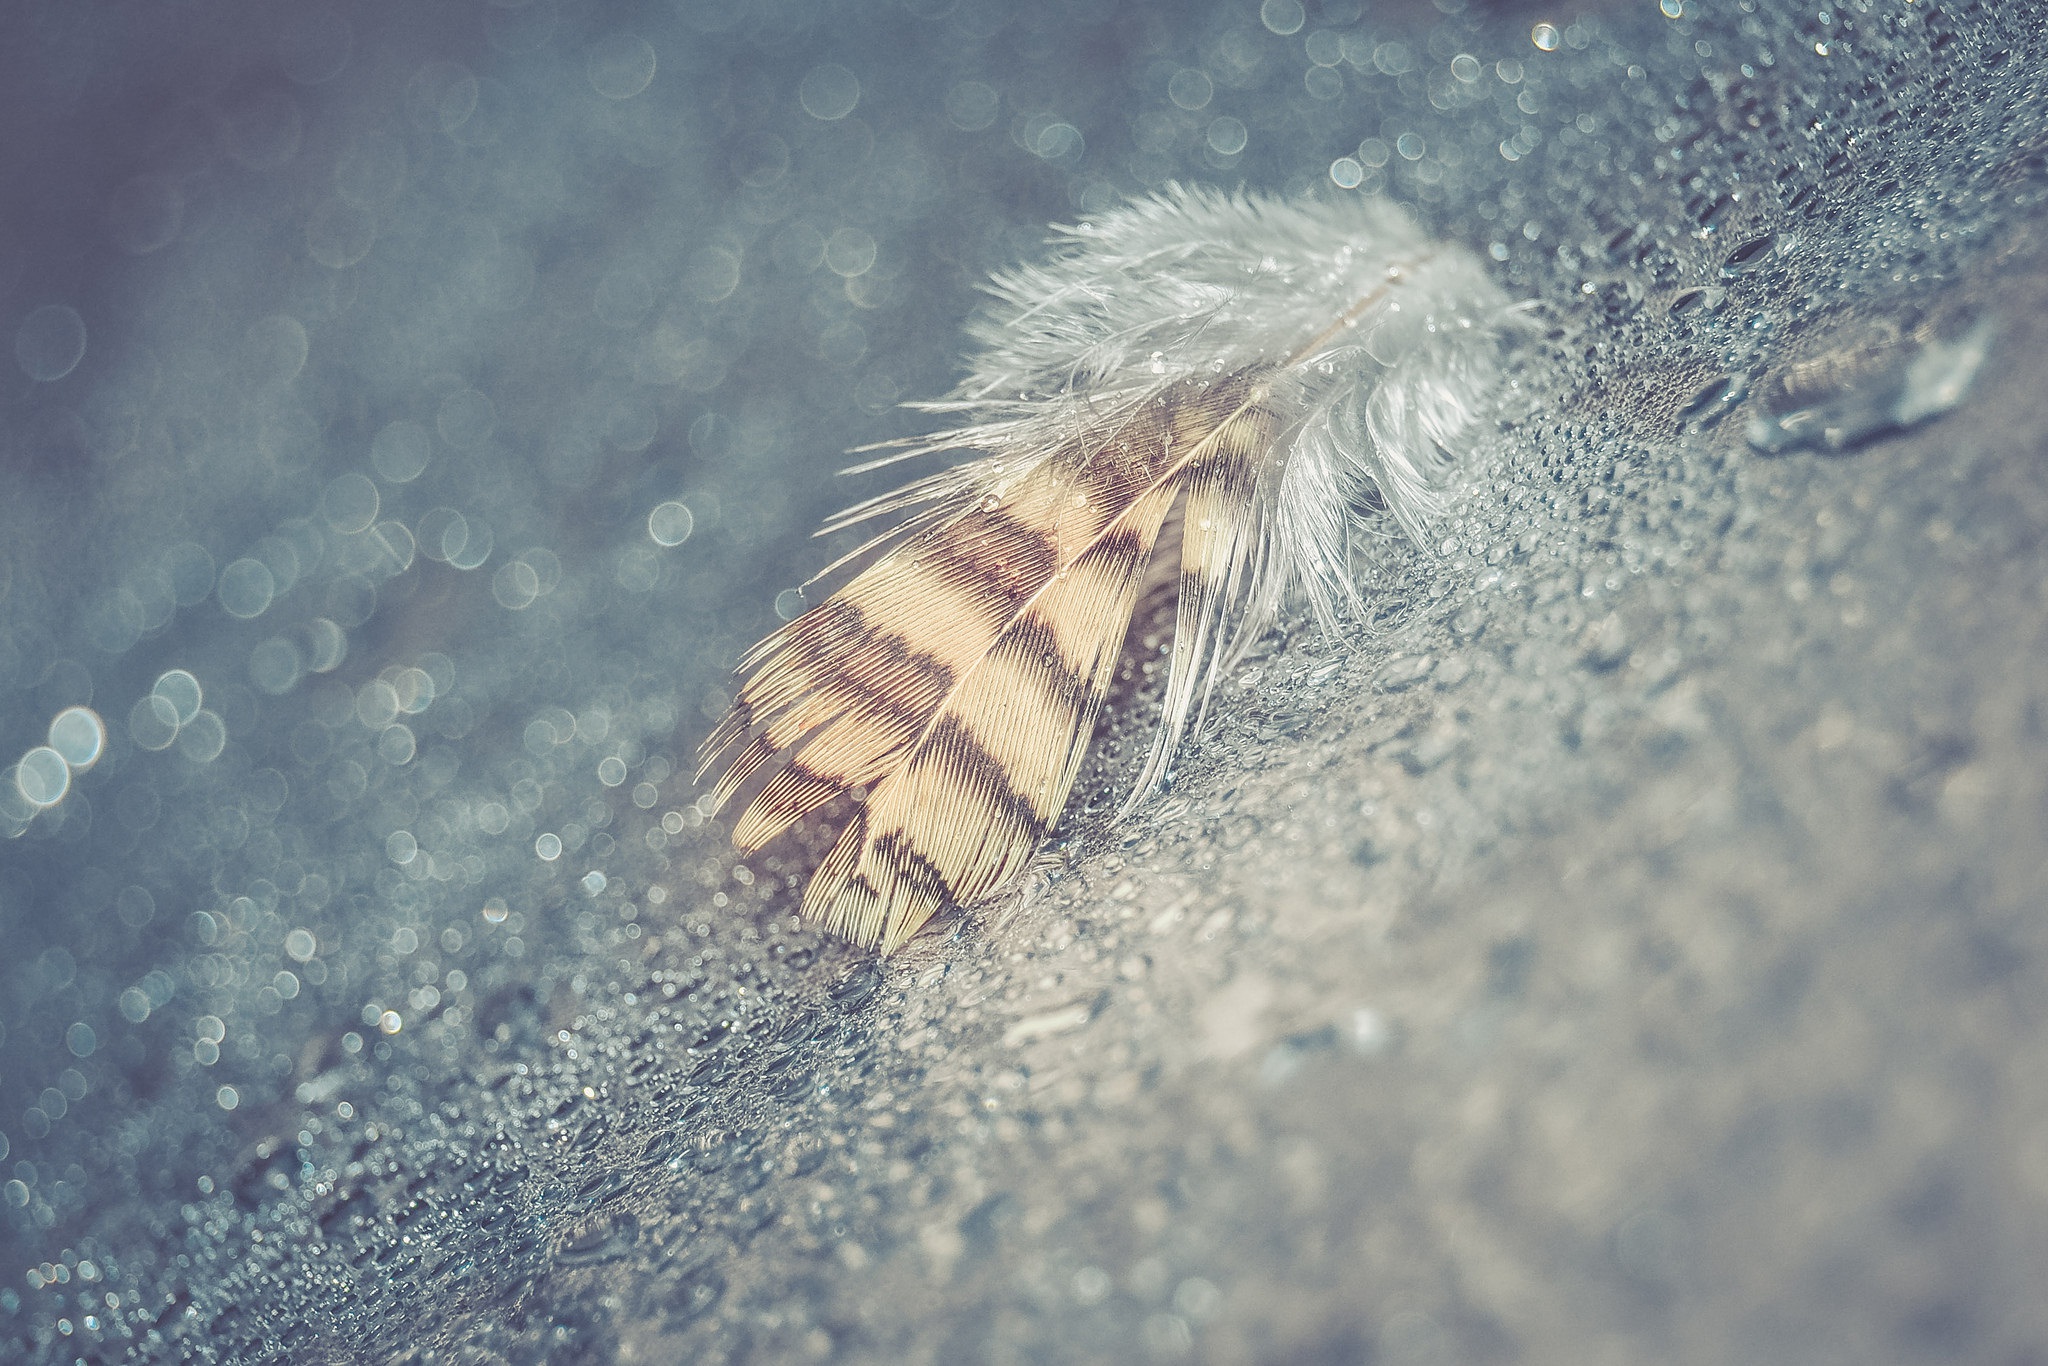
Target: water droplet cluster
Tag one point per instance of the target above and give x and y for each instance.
(411, 424)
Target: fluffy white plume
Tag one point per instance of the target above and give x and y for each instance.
(1384, 346)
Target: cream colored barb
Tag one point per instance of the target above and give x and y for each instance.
(1265, 367)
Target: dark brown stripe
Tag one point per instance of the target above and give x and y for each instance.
(959, 745)
(879, 700)
(885, 647)
(1033, 643)
(1125, 545)
(909, 866)
(795, 792)
(833, 621)
(994, 555)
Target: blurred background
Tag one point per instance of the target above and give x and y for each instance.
(1627, 945)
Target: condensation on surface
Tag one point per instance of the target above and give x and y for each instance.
(1619, 947)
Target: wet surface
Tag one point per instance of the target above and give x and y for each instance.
(1625, 947)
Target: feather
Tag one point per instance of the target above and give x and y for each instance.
(1262, 367)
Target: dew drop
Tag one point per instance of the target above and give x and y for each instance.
(1712, 401)
(1749, 255)
(1698, 300)
(246, 588)
(1872, 395)
(620, 66)
(153, 723)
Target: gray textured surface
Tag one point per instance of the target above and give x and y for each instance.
(1629, 949)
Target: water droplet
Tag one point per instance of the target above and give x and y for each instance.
(605, 1238)
(1863, 391)
(515, 585)
(153, 724)
(620, 66)
(1712, 401)
(339, 234)
(1711, 216)
(275, 666)
(349, 503)
(1698, 300)
(1284, 17)
(1227, 136)
(246, 588)
(829, 92)
(1620, 245)
(1749, 255)
(857, 988)
(400, 451)
(1405, 671)
(203, 737)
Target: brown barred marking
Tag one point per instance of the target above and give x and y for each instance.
(1008, 554)
(958, 678)
(897, 710)
(945, 801)
(958, 756)
(854, 671)
(861, 904)
(1029, 677)
(1011, 714)
(790, 795)
(1036, 641)
(939, 604)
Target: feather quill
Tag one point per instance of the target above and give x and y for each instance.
(1264, 367)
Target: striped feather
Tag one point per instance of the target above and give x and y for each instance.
(1253, 366)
